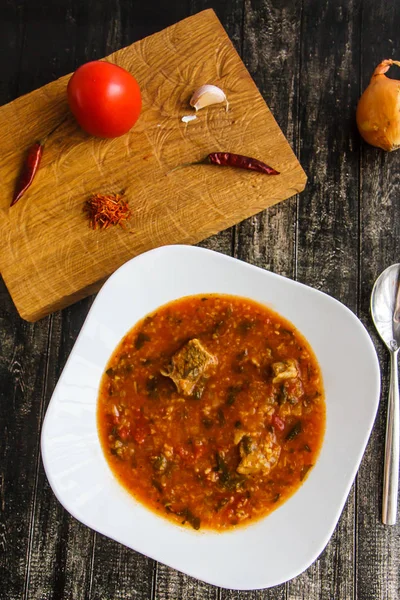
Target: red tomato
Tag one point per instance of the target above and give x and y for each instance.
(199, 450)
(141, 429)
(277, 422)
(104, 98)
(124, 433)
(183, 452)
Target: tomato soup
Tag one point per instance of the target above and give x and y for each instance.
(211, 411)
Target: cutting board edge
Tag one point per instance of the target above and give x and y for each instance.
(52, 307)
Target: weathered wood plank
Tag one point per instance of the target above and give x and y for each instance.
(171, 584)
(378, 546)
(119, 573)
(22, 361)
(327, 242)
(271, 51)
(271, 43)
(12, 29)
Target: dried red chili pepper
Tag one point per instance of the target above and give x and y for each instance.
(31, 166)
(29, 170)
(228, 159)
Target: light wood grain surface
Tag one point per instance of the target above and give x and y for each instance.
(49, 255)
(310, 59)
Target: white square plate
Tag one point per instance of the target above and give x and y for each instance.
(287, 541)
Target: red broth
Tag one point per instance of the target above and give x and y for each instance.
(211, 411)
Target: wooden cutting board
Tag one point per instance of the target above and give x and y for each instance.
(49, 257)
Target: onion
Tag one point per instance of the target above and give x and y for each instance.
(378, 110)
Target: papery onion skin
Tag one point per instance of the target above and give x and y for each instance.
(378, 110)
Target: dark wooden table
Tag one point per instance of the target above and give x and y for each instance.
(310, 59)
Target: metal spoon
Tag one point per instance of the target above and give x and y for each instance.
(385, 309)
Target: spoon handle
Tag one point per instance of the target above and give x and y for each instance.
(391, 467)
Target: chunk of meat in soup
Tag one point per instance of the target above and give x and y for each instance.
(287, 369)
(257, 457)
(191, 364)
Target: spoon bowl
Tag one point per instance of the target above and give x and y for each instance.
(385, 310)
(385, 306)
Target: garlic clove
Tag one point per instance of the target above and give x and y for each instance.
(206, 95)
